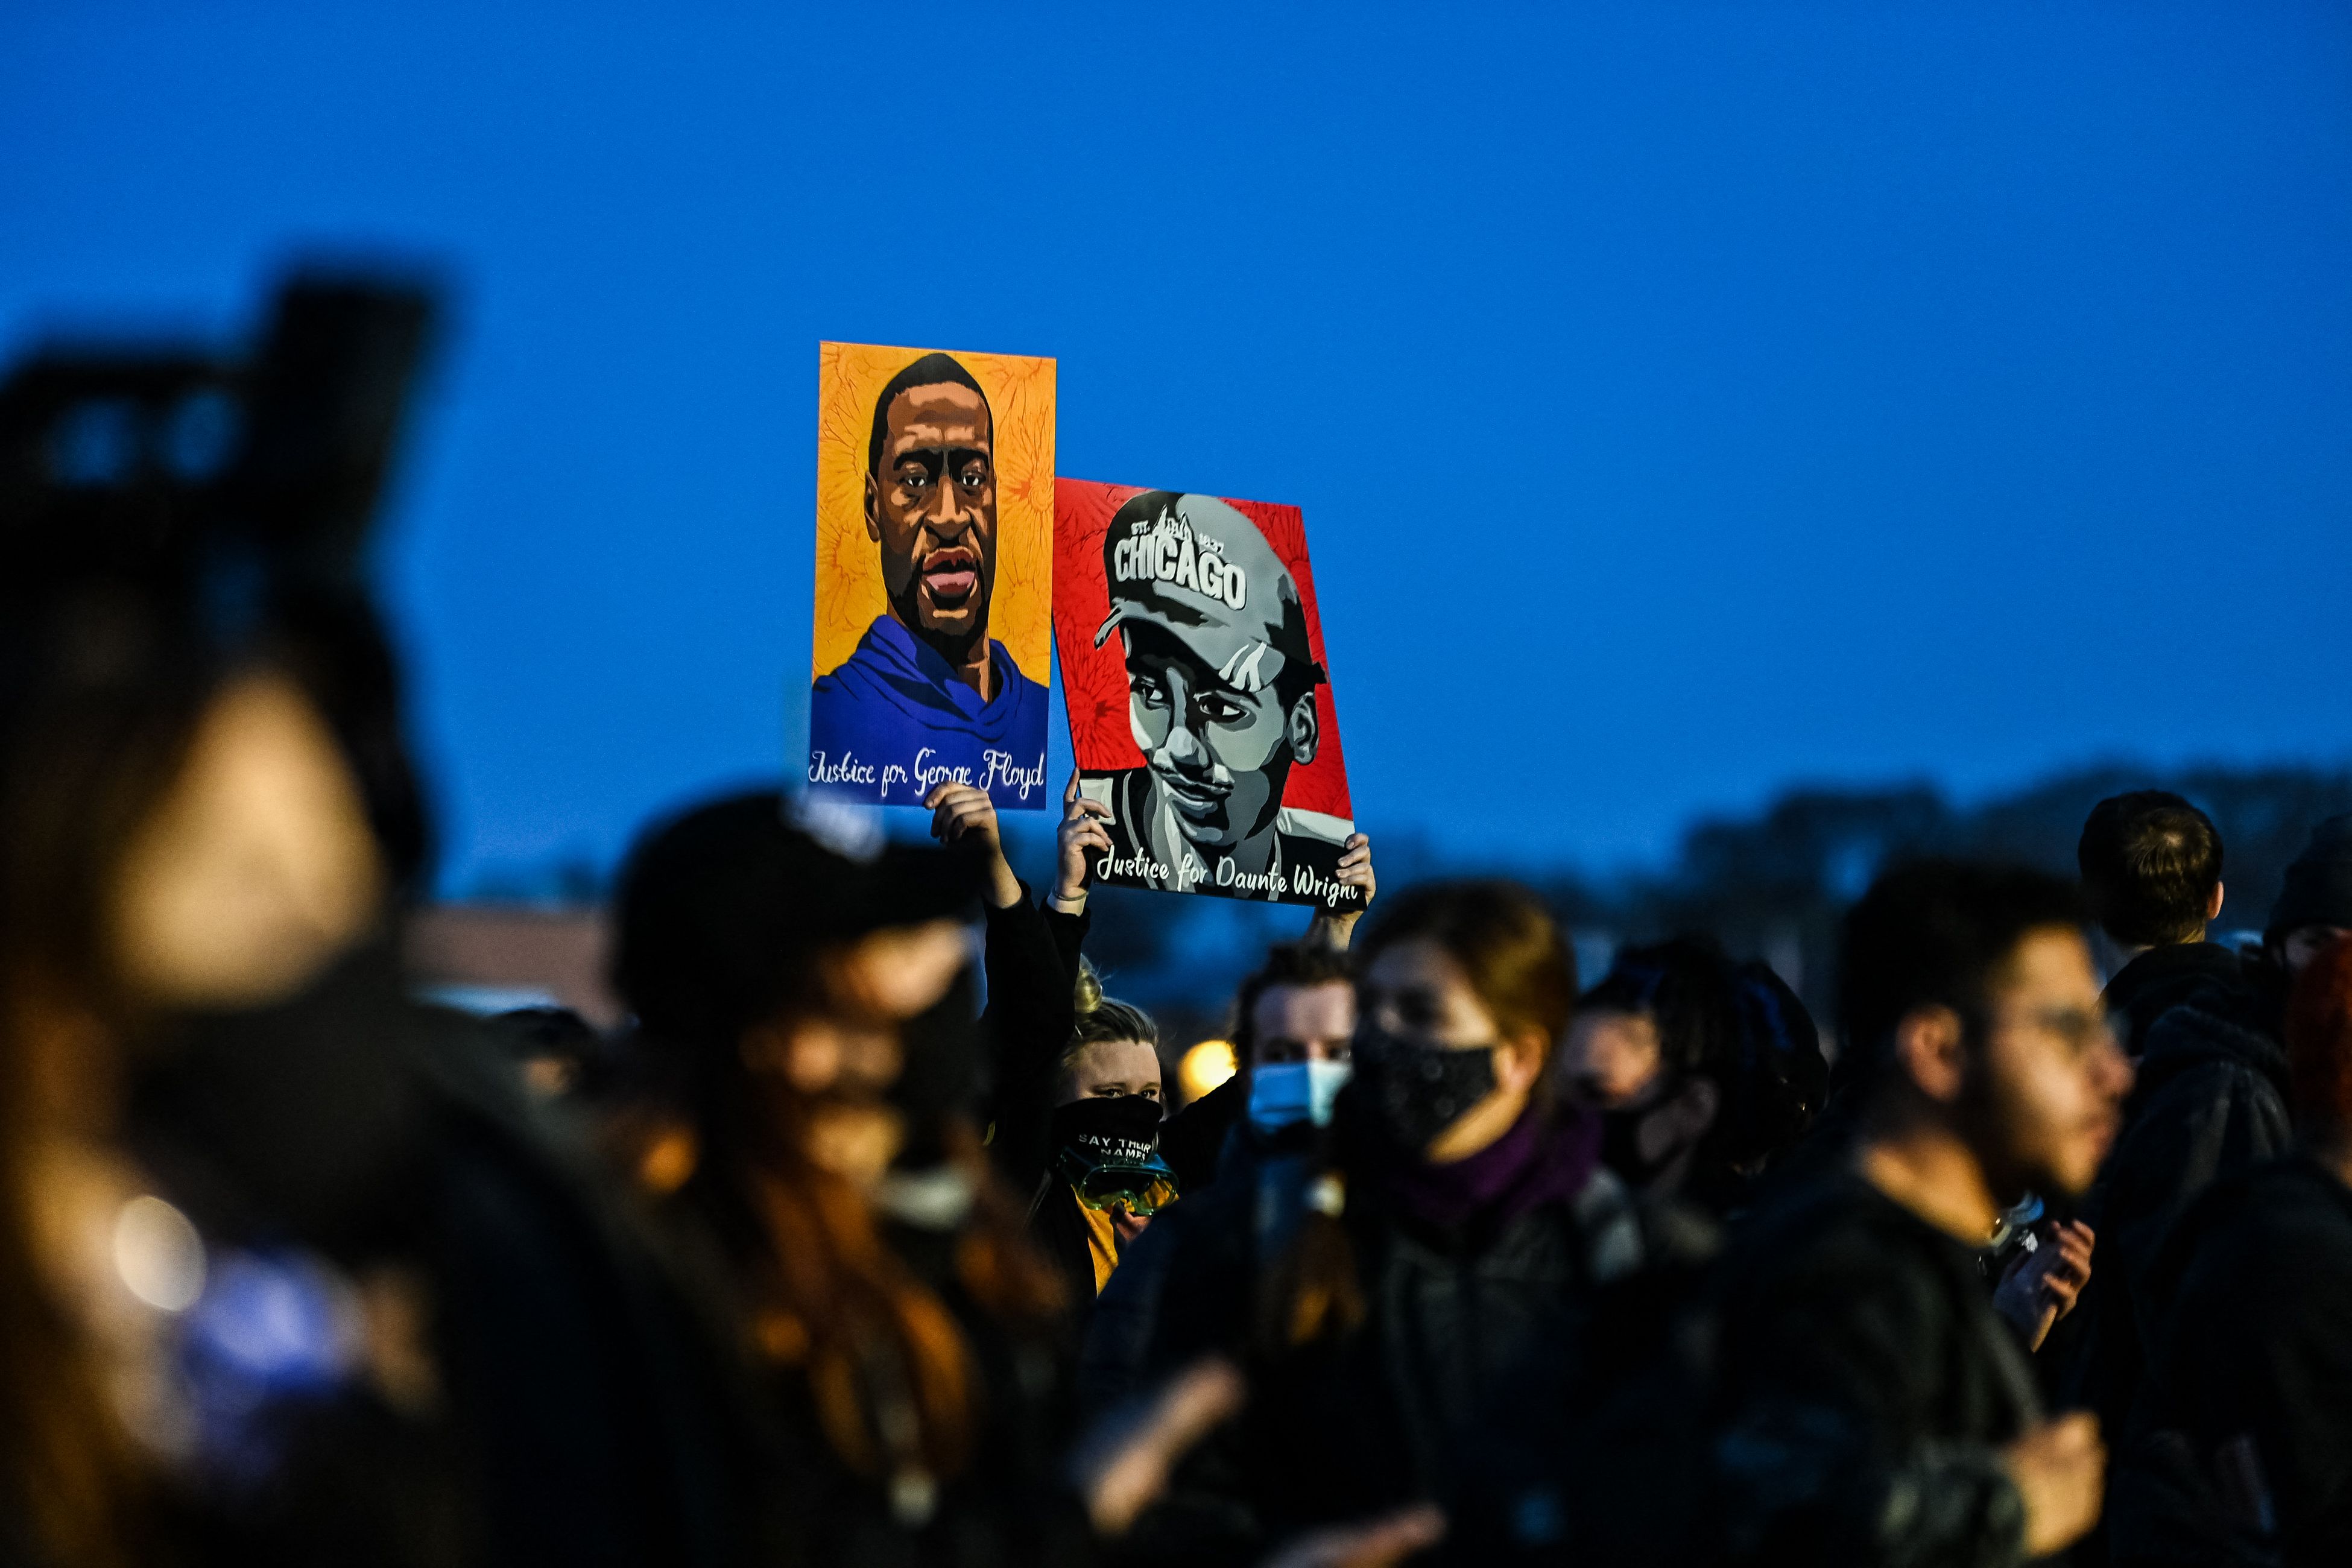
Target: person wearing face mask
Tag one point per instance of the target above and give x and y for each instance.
(900, 1336)
(1703, 1070)
(1074, 1100)
(1176, 1297)
(1105, 1181)
(1199, 1136)
(1414, 1343)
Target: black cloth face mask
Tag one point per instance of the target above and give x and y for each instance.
(1410, 1092)
(1620, 1138)
(1108, 1148)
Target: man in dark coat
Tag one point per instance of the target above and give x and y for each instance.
(2211, 1100)
(2241, 1448)
(2151, 867)
(1874, 1409)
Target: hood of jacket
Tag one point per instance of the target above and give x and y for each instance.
(2163, 978)
(2211, 1028)
(893, 669)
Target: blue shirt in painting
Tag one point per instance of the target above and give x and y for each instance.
(892, 721)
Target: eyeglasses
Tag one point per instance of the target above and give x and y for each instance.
(2080, 1028)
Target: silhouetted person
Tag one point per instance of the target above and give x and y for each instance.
(2151, 867)
(2212, 1099)
(1703, 1070)
(376, 1318)
(2242, 1445)
(2314, 901)
(899, 1332)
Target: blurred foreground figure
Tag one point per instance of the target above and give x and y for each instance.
(1874, 1407)
(287, 1273)
(2242, 1447)
(903, 1340)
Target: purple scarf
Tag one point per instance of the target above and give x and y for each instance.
(1540, 1160)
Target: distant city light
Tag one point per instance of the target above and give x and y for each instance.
(1204, 1067)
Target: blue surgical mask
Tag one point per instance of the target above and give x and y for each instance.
(1283, 1094)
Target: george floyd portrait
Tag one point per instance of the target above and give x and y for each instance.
(1199, 699)
(934, 574)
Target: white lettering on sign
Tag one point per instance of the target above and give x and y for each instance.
(849, 770)
(1002, 768)
(1166, 550)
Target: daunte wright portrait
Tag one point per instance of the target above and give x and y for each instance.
(934, 573)
(1199, 697)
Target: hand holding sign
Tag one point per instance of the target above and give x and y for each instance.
(1079, 842)
(934, 576)
(963, 815)
(1334, 928)
(1200, 708)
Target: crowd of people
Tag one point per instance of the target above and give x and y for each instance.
(873, 1240)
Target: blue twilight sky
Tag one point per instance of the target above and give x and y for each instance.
(1685, 400)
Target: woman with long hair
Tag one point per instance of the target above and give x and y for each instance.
(901, 1334)
(1416, 1338)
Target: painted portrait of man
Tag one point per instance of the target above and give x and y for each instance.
(928, 691)
(1221, 687)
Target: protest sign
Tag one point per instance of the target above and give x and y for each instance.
(1200, 708)
(934, 574)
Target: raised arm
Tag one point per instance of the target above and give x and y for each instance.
(1336, 929)
(1031, 956)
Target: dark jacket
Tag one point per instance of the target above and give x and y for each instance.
(2240, 1449)
(1185, 1290)
(2161, 979)
(1031, 954)
(1196, 1137)
(2210, 1100)
(1865, 1388)
(347, 1143)
(1010, 1504)
(1455, 1388)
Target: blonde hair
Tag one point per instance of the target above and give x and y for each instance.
(1100, 1018)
